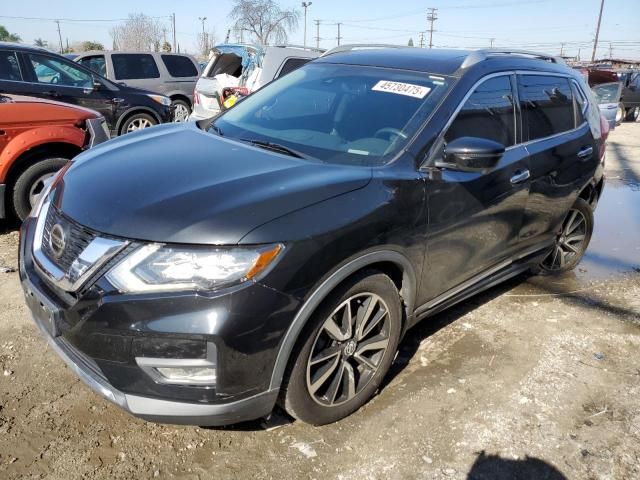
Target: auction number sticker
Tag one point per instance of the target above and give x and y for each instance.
(399, 88)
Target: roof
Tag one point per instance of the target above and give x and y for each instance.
(440, 61)
(21, 46)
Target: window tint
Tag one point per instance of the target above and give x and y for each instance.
(290, 64)
(9, 69)
(59, 72)
(179, 66)
(547, 105)
(95, 63)
(488, 113)
(129, 66)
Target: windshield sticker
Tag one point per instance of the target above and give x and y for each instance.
(399, 88)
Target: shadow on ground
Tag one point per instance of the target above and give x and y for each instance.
(493, 467)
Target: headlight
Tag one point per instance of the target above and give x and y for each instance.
(161, 99)
(160, 268)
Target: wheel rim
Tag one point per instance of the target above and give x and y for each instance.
(180, 113)
(37, 187)
(569, 242)
(138, 124)
(619, 114)
(348, 350)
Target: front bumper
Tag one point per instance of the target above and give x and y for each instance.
(100, 335)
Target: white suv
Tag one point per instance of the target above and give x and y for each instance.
(249, 66)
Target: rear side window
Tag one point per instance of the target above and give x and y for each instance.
(290, 64)
(9, 69)
(132, 66)
(179, 66)
(488, 113)
(547, 105)
(95, 63)
(580, 107)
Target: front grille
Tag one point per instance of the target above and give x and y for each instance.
(77, 238)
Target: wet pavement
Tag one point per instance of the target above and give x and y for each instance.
(536, 378)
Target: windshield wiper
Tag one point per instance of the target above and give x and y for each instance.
(275, 147)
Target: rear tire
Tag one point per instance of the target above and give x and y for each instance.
(571, 241)
(339, 364)
(31, 182)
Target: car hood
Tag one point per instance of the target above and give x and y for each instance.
(176, 183)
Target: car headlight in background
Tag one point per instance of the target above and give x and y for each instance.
(161, 268)
(161, 99)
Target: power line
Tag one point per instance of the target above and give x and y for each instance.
(88, 20)
(432, 16)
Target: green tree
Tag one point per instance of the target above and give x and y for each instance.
(38, 42)
(5, 36)
(410, 42)
(89, 45)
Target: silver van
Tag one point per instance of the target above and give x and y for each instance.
(171, 74)
(249, 66)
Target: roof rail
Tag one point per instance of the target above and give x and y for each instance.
(481, 55)
(286, 45)
(360, 46)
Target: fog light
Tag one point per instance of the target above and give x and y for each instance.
(182, 371)
(188, 374)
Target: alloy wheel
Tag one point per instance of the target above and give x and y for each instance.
(569, 242)
(348, 349)
(138, 124)
(180, 113)
(38, 186)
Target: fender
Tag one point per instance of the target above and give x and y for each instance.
(35, 137)
(326, 287)
(136, 109)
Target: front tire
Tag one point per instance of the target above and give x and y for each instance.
(137, 121)
(571, 241)
(181, 111)
(31, 182)
(345, 351)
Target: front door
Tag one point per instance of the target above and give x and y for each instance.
(474, 219)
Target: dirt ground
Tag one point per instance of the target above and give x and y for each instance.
(535, 379)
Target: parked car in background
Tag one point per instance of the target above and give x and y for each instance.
(37, 72)
(629, 105)
(37, 138)
(247, 66)
(279, 251)
(170, 74)
(608, 98)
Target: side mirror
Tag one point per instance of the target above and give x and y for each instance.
(472, 154)
(97, 85)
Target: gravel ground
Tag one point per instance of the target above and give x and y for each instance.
(538, 378)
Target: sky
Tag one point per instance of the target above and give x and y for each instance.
(550, 26)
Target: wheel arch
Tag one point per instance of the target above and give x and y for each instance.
(181, 96)
(390, 262)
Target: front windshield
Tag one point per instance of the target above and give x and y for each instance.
(337, 113)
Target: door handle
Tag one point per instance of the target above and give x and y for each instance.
(520, 176)
(585, 153)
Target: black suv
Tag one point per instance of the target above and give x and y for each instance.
(279, 252)
(37, 72)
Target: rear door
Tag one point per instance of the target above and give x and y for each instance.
(182, 74)
(475, 218)
(137, 70)
(562, 149)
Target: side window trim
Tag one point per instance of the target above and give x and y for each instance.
(284, 61)
(569, 79)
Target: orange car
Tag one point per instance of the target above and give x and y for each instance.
(37, 137)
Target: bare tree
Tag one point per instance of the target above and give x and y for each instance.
(264, 20)
(206, 42)
(140, 32)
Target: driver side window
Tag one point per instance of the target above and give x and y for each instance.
(57, 72)
(488, 113)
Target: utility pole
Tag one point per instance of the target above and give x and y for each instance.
(432, 16)
(421, 39)
(562, 49)
(305, 5)
(317, 22)
(205, 43)
(173, 26)
(339, 37)
(610, 51)
(226, 39)
(579, 49)
(491, 42)
(60, 36)
(595, 42)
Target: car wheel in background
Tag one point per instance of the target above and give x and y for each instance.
(620, 113)
(632, 114)
(572, 240)
(137, 121)
(181, 110)
(31, 183)
(345, 350)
